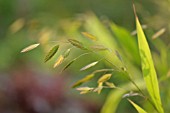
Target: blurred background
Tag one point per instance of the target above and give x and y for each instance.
(28, 85)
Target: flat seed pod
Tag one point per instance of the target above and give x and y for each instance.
(77, 44)
(110, 85)
(17, 25)
(66, 53)
(51, 53)
(159, 33)
(68, 65)
(84, 90)
(99, 88)
(33, 46)
(104, 78)
(98, 48)
(102, 70)
(118, 55)
(59, 61)
(89, 36)
(89, 66)
(83, 80)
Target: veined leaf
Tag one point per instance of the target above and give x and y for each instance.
(77, 44)
(148, 69)
(83, 80)
(90, 36)
(89, 66)
(33, 46)
(138, 108)
(59, 61)
(51, 53)
(104, 78)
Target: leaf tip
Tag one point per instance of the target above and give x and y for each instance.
(134, 10)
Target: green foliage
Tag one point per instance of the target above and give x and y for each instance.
(138, 108)
(117, 49)
(148, 69)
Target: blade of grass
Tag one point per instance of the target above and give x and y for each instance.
(138, 108)
(148, 69)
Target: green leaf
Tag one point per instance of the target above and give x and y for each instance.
(138, 108)
(51, 53)
(127, 42)
(83, 80)
(148, 69)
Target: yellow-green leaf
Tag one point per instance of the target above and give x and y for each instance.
(33, 46)
(59, 61)
(83, 80)
(104, 78)
(89, 66)
(148, 68)
(51, 53)
(138, 108)
(90, 36)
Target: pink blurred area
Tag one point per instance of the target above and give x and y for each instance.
(25, 91)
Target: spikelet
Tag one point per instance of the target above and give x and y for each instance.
(51, 53)
(104, 78)
(77, 44)
(59, 61)
(33, 46)
(89, 66)
(83, 80)
(89, 36)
